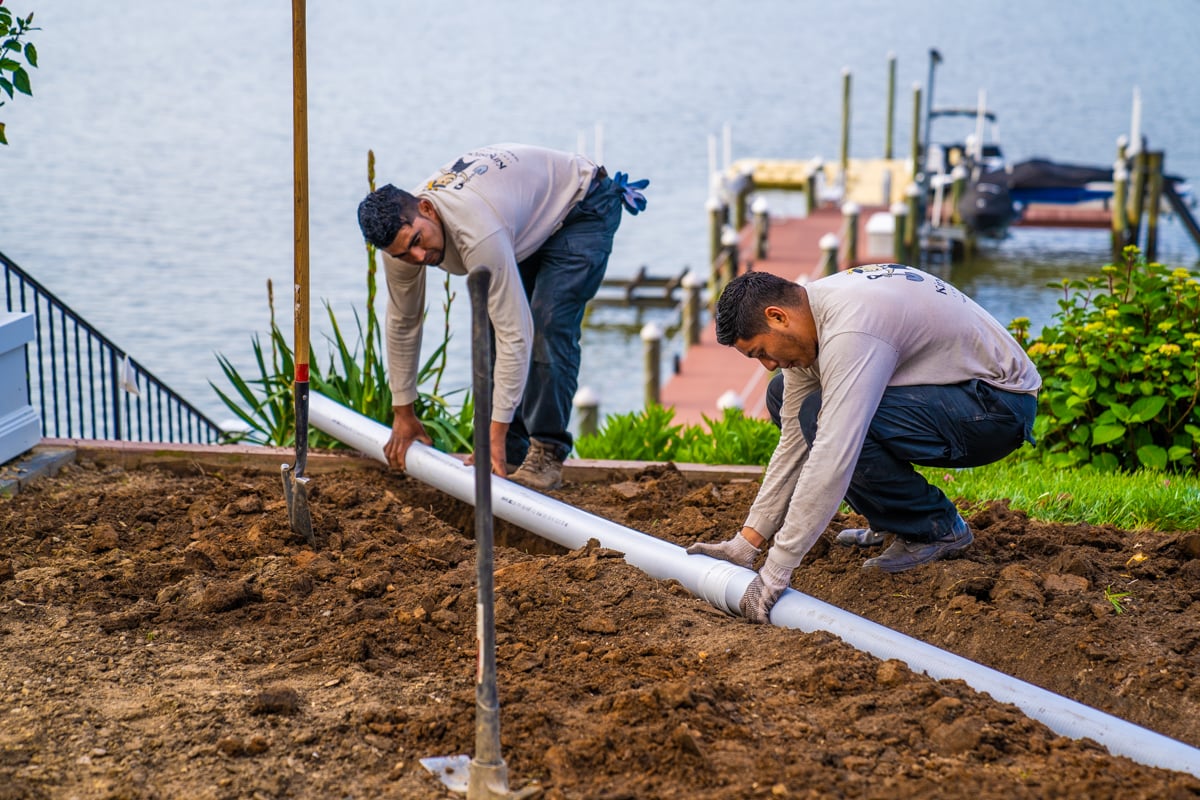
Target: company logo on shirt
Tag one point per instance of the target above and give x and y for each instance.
(876, 271)
(457, 175)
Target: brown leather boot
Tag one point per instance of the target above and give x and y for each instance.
(540, 470)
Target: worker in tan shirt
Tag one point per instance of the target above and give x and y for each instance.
(543, 222)
(881, 367)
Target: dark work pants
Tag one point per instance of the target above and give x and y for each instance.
(560, 278)
(962, 425)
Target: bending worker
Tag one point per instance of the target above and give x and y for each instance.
(543, 221)
(881, 367)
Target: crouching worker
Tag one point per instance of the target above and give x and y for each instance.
(543, 221)
(881, 367)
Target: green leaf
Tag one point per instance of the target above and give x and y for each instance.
(1147, 408)
(1178, 452)
(1083, 383)
(1152, 456)
(1080, 435)
(31, 54)
(3, 138)
(1120, 411)
(1103, 434)
(21, 81)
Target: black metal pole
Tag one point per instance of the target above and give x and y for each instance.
(487, 772)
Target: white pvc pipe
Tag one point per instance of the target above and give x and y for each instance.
(722, 584)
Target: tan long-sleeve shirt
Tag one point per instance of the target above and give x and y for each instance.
(498, 205)
(877, 326)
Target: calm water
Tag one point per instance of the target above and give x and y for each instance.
(149, 180)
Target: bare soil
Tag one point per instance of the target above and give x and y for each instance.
(164, 634)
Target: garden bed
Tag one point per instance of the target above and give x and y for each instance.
(164, 634)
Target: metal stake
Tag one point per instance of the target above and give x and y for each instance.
(487, 774)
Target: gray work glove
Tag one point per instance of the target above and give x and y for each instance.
(736, 551)
(763, 591)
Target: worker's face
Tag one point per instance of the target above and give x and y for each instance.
(423, 242)
(789, 341)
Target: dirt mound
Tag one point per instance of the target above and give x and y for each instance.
(166, 635)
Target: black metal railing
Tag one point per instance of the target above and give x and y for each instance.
(85, 387)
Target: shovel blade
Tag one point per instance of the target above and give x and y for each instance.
(295, 491)
(453, 771)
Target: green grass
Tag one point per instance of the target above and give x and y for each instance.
(1143, 500)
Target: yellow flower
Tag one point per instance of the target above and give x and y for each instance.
(1055, 349)
(1166, 325)
(1037, 349)
(1169, 350)
(1111, 312)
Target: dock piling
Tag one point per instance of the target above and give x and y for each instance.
(758, 211)
(916, 132)
(959, 177)
(652, 335)
(1154, 162)
(587, 410)
(891, 110)
(810, 186)
(850, 213)
(845, 160)
(829, 254)
(899, 231)
(718, 217)
(691, 309)
(912, 226)
(1137, 193)
(1120, 219)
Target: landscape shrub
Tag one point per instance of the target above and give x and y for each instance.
(1120, 367)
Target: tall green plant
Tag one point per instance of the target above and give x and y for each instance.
(1120, 368)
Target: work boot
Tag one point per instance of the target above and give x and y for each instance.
(860, 537)
(904, 554)
(541, 470)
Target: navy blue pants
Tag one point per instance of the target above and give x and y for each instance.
(962, 425)
(560, 278)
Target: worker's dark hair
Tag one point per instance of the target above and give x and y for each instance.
(384, 212)
(740, 309)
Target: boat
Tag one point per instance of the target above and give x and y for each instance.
(997, 194)
(986, 205)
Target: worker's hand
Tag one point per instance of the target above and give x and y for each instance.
(736, 551)
(763, 592)
(497, 438)
(406, 429)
